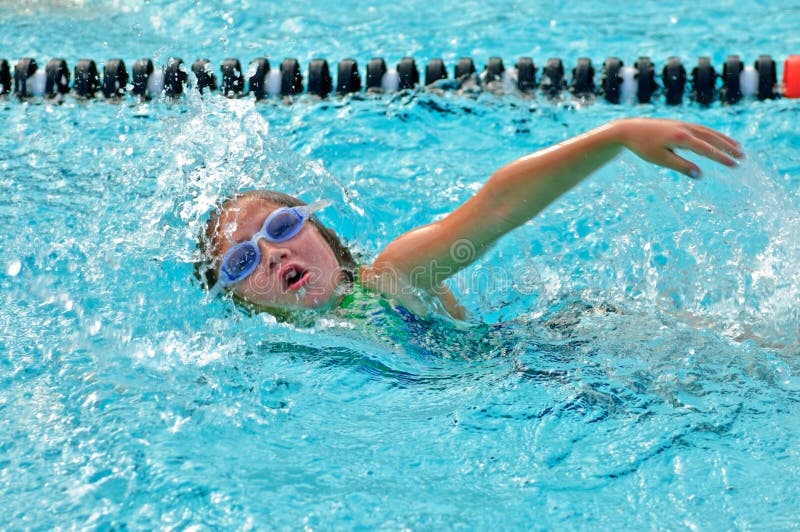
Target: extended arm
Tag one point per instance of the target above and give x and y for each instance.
(427, 255)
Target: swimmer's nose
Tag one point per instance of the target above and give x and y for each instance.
(272, 254)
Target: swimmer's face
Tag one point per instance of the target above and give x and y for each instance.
(300, 273)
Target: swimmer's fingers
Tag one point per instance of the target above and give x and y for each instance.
(713, 150)
(656, 141)
(674, 161)
(718, 140)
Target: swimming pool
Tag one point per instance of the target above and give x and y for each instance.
(642, 369)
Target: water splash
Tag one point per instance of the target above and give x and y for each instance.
(752, 255)
(719, 254)
(223, 146)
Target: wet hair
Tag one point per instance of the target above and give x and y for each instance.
(206, 267)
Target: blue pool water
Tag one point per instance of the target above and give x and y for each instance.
(632, 356)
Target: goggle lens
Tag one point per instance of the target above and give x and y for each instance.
(283, 225)
(240, 261)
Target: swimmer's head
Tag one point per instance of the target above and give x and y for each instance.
(311, 269)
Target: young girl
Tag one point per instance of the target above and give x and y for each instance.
(270, 252)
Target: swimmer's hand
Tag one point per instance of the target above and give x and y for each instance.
(656, 140)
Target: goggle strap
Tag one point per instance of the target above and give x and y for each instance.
(313, 207)
(213, 292)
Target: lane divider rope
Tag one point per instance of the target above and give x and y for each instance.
(618, 83)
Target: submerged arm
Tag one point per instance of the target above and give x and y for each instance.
(427, 255)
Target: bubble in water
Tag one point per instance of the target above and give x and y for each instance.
(13, 268)
(94, 327)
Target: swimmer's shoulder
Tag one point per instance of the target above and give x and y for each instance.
(396, 286)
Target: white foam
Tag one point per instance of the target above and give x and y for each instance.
(13, 268)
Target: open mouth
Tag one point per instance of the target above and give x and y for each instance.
(295, 277)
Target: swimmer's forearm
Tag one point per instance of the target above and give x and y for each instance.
(515, 193)
(426, 256)
(523, 188)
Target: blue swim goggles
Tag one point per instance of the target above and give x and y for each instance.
(280, 226)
